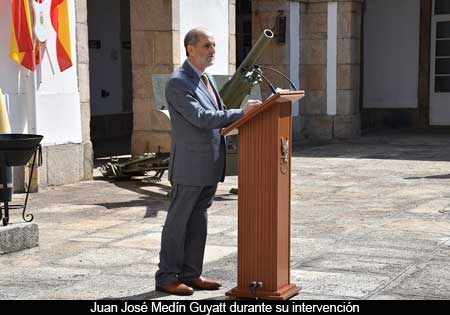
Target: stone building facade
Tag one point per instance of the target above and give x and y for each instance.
(155, 37)
(362, 63)
(326, 52)
(317, 117)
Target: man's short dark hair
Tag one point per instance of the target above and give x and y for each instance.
(192, 37)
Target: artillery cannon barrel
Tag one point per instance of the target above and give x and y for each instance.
(237, 88)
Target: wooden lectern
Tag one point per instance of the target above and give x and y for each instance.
(264, 202)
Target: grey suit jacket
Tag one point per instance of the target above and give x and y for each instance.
(197, 156)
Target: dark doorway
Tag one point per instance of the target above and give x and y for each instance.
(110, 76)
(243, 29)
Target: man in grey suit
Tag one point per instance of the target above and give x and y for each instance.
(197, 164)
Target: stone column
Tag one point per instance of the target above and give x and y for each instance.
(278, 55)
(316, 123)
(83, 85)
(347, 122)
(231, 36)
(155, 33)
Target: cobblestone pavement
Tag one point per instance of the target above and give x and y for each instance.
(370, 220)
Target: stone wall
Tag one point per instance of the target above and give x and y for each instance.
(315, 123)
(63, 164)
(231, 36)
(154, 50)
(155, 37)
(275, 55)
(347, 123)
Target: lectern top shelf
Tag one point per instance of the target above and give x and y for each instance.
(280, 97)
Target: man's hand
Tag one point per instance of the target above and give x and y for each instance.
(251, 105)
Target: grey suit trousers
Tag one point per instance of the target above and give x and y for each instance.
(184, 234)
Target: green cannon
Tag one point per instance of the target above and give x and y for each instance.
(237, 88)
(242, 81)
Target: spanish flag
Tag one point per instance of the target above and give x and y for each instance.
(61, 24)
(21, 44)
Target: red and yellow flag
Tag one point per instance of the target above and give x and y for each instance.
(61, 24)
(21, 44)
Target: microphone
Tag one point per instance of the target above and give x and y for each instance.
(257, 70)
(255, 75)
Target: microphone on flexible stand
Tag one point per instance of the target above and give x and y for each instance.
(258, 68)
(255, 75)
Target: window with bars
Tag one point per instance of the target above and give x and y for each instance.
(442, 57)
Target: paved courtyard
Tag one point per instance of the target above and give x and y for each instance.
(370, 220)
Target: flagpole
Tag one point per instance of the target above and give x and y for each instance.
(35, 85)
(40, 62)
(33, 126)
(49, 59)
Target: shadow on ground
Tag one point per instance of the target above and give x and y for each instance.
(393, 144)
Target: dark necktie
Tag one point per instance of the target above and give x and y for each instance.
(210, 89)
